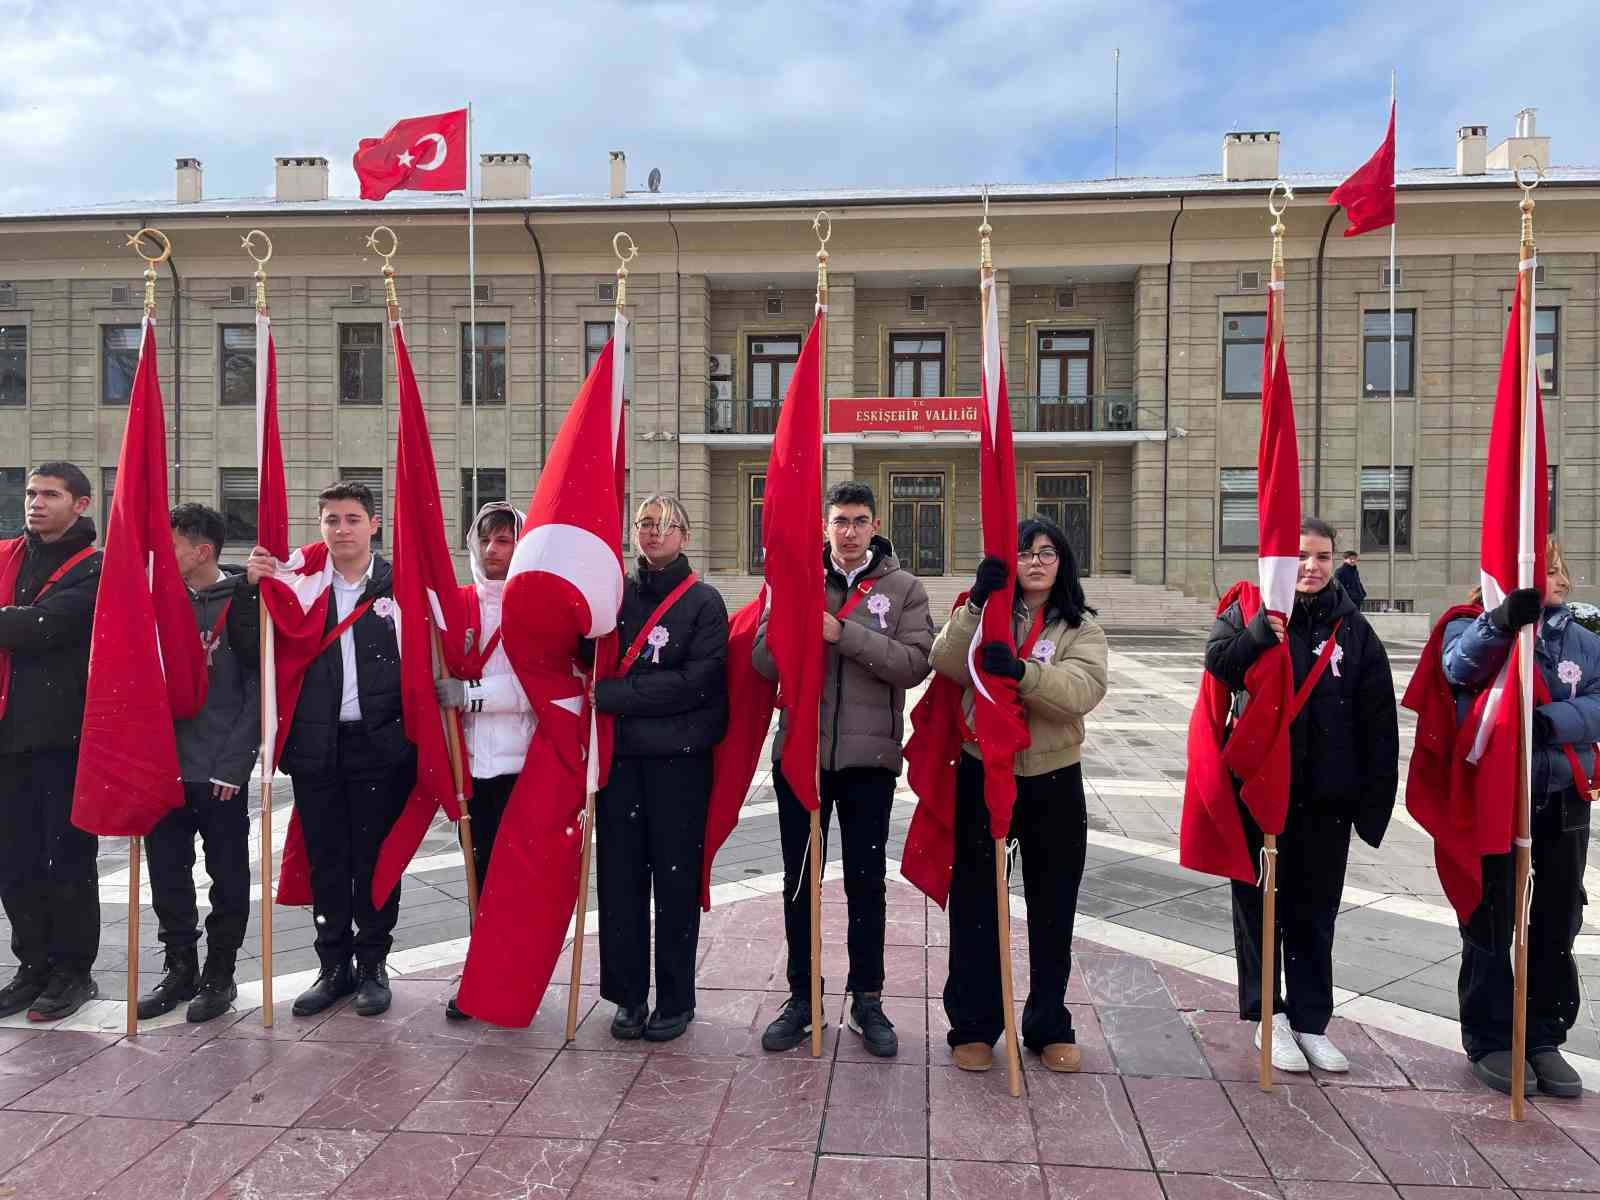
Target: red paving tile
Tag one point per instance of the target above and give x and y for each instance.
(774, 1103)
(1097, 1183)
(1085, 1121)
(305, 1164)
(25, 1133)
(870, 1179)
(674, 1100)
(755, 1175)
(95, 1152)
(956, 1180)
(418, 1166)
(519, 1168)
(1190, 1125)
(632, 1171)
(877, 1111)
(190, 1164)
(576, 1097)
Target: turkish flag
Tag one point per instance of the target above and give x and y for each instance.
(1368, 195)
(564, 584)
(418, 154)
(147, 666)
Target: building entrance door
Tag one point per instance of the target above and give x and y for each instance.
(916, 522)
(1065, 498)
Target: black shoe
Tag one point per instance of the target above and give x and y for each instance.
(1555, 1074)
(664, 1029)
(628, 1024)
(1494, 1069)
(177, 986)
(65, 994)
(21, 992)
(217, 990)
(791, 1027)
(868, 1019)
(372, 990)
(452, 1012)
(333, 985)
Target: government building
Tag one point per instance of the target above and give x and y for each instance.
(1131, 311)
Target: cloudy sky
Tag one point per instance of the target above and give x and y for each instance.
(96, 101)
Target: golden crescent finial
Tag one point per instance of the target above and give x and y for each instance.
(630, 254)
(985, 228)
(248, 243)
(136, 240)
(394, 243)
(1538, 173)
(1277, 210)
(822, 226)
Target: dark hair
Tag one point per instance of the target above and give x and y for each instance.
(850, 492)
(201, 524)
(1066, 602)
(1317, 527)
(492, 522)
(70, 474)
(345, 490)
(1351, 554)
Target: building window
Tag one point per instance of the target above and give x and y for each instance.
(12, 482)
(108, 487)
(595, 336)
(1237, 506)
(1546, 350)
(771, 367)
(238, 497)
(373, 478)
(119, 358)
(1375, 351)
(916, 364)
(490, 361)
(757, 505)
(238, 359)
(1243, 337)
(13, 364)
(361, 364)
(1375, 508)
(491, 486)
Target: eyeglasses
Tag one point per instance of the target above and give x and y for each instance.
(860, 524)
(1045, 558)
(649, 526)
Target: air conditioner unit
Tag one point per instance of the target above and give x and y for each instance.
(1120, 414)
(722, 389)
(721, 417)
(721, 365)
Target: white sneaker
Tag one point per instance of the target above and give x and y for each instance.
(1324, 1055)
(1286, 1055)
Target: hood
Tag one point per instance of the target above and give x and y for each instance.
(474, 554)
(1331, 604)
(79, 534)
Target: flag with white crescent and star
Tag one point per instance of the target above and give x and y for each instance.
(418, 154)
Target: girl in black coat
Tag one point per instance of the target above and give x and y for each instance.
(671, 707)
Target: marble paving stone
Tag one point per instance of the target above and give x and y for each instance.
(877, 1110)
(870, 1179)
(743, 963)
(972, 1116)
(1218, 1187)
(1151, 1041)
(961, 1180)
(576, 1097)
(1369, 1065)
(1191, 991)
(10, 1039)
(1077, 988)
(1190, 1125)
(1534, 1153)
(1300, 1135)
(417, 1166)
(1429, 1067)
(673, 1100)
(98, 1150)
(724, 1024)
(1415, 1191)
(1098, 1183)
(548, 1029)
(904, 972)
(40, 1059)
(773, 1104)
(1122, 979)
(282, 1091)
(1303, 1189)
(301, 1164)
(754, 1175)
(524, 1169)
(416, 1013)
(638, 1171)
(480, 1091)
(390, 1083)
(1228, 1045)
(188, 1165)
(1085, 1121)
(1411, 1139)
(286, 1027)
(198, 1081)
(25, 1133)
(910, 1019)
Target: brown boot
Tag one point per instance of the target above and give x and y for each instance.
(1062, 1057)
(972, 1056)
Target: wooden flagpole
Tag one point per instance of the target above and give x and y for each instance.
(822, 226)
(1002, 889)
(452, 741)
(1526, 554)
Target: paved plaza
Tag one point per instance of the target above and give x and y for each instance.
(408, 1105)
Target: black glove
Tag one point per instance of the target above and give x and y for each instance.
(586, 651)
(1543, 727)
(990, 579)
(997, 659)
(1521, 607)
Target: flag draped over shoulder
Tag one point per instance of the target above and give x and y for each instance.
(147, 666)
(564, 584)
(429, 598)
(1367, 197)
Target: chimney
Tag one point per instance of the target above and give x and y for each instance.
(189, 191)
(1472, 149)
(302, 178)
(1524, 143)
(1250, 155)
(619, 174)
(505, 176)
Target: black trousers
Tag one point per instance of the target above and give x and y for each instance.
(1050, 824)
(1313, 850)
(345, 815)
(487, 806)
(1555, 917)
(650, 829)
(863, 797)
(224, 829)
(48, 882)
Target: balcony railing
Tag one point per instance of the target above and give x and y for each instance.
(742, 416)
(1105, 412)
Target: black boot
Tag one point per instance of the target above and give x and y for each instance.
(372, 989)
(628, 1024)
(217, 989)
(65, 994)
(333, 984)
(177, 986)
(23, 990)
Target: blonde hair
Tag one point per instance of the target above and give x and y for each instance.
(672, 512)
(1552, 557)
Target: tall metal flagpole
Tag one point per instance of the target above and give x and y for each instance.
(1394, 532)
(472, 315)
(822, 226)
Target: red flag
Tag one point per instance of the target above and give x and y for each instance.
(1368, 195)
(146, 663)
(429, 598)
(418, 154)
(933, 753)
(272, 499)
(564, 584)
(793, 565)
